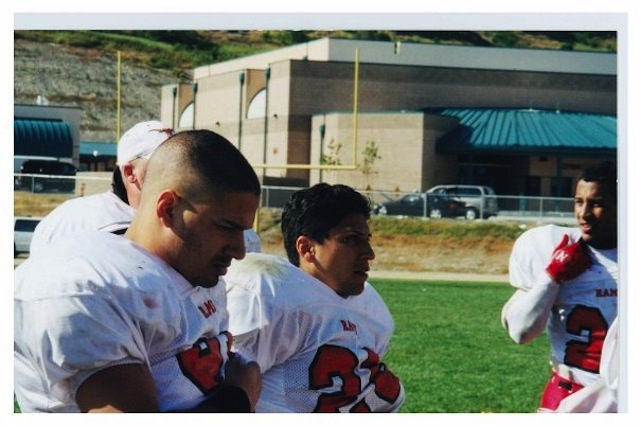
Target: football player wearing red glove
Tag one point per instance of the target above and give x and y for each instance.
(567, 283)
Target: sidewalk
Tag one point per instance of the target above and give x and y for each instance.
(442, 276)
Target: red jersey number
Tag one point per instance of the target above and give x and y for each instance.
(585, 354)
(202, 364)
(336, 362)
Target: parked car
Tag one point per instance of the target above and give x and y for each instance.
(51, 168)
(478, 199)
(23, 227)
(19, 160)
(435, 207)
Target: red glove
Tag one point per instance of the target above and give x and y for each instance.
(568, 260)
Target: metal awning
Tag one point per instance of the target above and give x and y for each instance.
(41, 137)
(528, 132)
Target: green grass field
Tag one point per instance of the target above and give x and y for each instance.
(452, 354)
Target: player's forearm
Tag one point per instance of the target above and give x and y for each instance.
(126, 388)
(525, 315)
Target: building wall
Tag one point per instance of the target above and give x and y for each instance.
(405, 147)
(330, 87)
(317, 82)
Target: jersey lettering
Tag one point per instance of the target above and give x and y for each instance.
(349, 326)
(336, 365)
(207, 308)
(586, 353)
(607, 292)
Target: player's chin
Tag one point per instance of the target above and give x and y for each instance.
(211, 276)
(357, 289)
(359, 279)
(208, 282)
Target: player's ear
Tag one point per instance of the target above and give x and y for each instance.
(166, 208)
(128, 174)
(306, 248)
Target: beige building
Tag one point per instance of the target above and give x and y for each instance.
(406, 117)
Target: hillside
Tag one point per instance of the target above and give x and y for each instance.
(80, 68)
(87, 78)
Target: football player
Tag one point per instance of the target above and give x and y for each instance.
(112, 210)
(106, 323)
(567, 284)
(315, 326)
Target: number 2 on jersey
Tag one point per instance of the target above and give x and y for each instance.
(585, 355)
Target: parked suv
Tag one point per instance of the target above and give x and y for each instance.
(23, 228)
(50, 183)
(479, 200)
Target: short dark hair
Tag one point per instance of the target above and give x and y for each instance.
(313, 211)
(218, 164)
(605, 173)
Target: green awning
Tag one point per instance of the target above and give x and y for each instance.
(529, 132)
(42, 137)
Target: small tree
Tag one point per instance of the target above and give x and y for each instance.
(369, 155)
(332, 157)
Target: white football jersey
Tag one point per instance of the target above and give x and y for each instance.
(585, 306)
(97, 300)
(318, 351)
(104, 212)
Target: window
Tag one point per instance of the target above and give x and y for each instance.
(257, 105)
(23, 225)
(469, 192)
(186, 118)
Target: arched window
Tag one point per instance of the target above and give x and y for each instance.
(257, 105)
(186, 118)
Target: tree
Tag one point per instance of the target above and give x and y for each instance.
(332, 157)
(369, 155)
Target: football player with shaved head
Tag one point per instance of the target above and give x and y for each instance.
(106, 323)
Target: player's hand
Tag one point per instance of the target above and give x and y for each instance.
(568, 260)
(238, 394)
(246, 375)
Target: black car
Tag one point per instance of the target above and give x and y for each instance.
(60, 176)
(434, 206)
